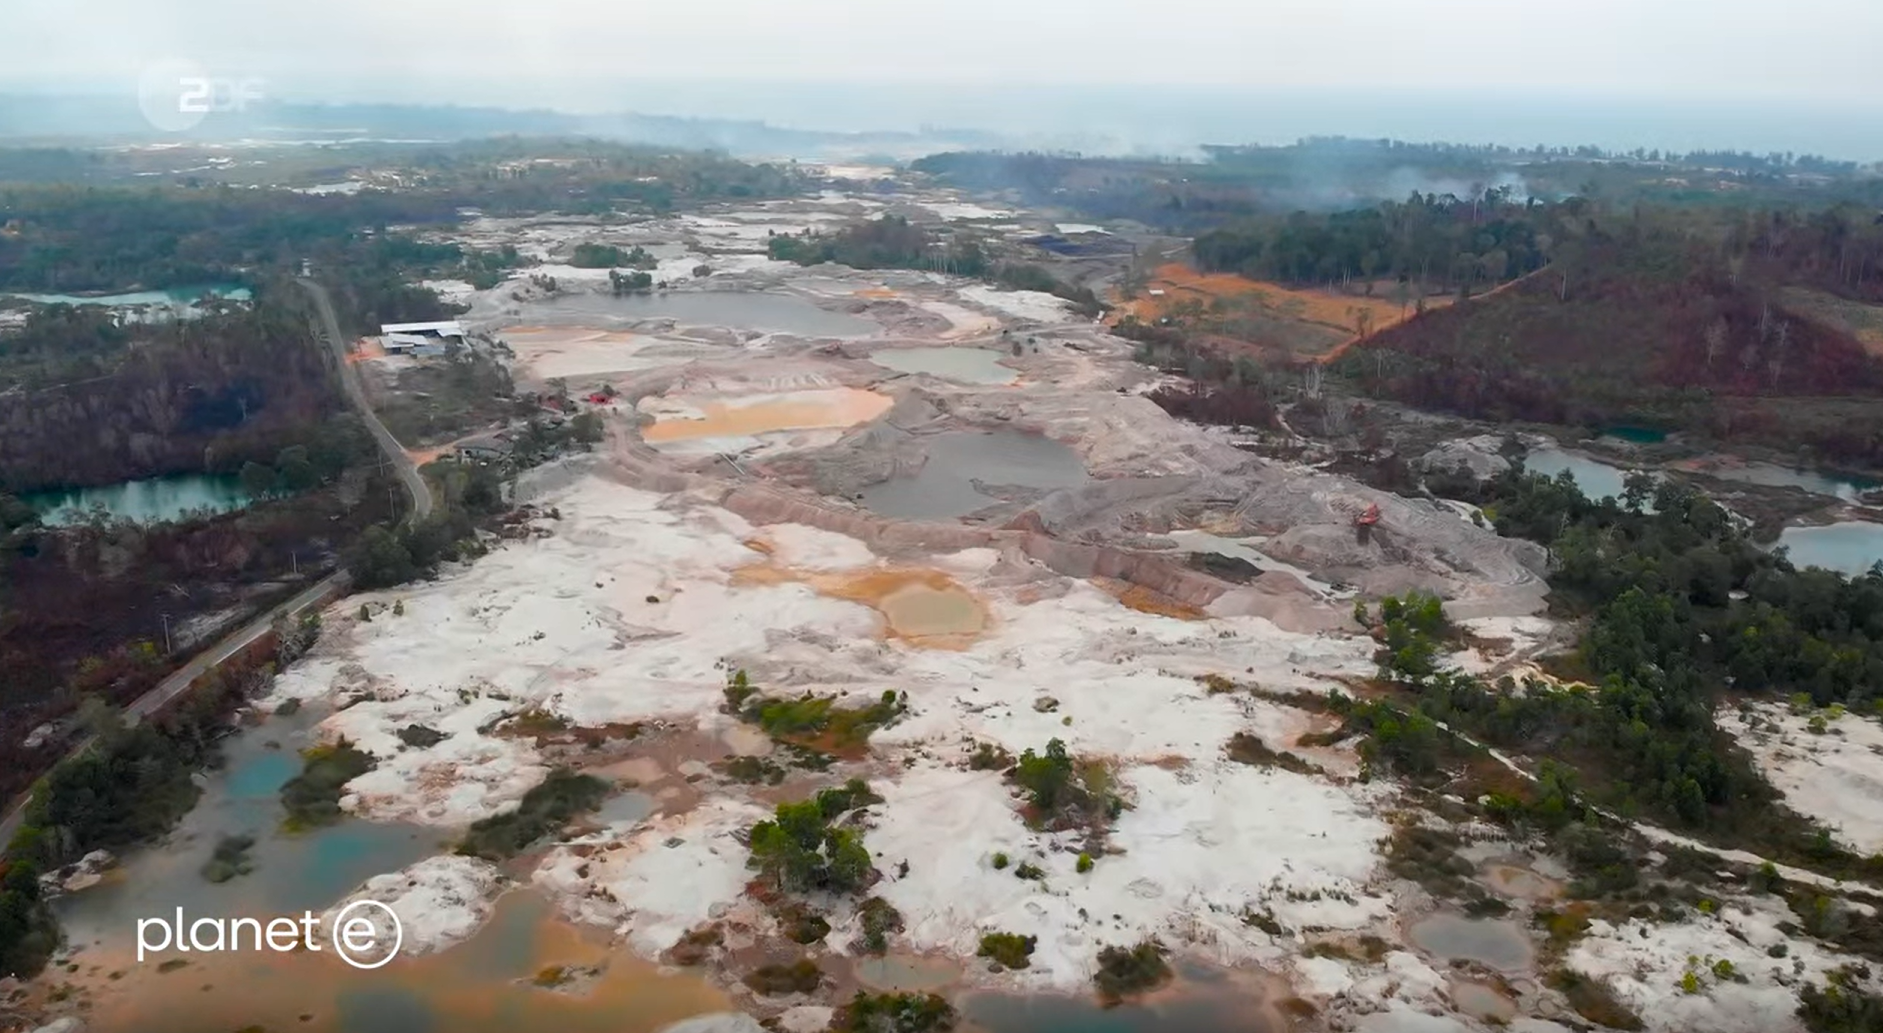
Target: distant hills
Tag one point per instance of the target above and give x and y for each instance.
(55, 119)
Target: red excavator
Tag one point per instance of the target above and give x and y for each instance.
(1364, 523)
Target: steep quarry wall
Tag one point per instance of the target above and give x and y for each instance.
(1276, 596)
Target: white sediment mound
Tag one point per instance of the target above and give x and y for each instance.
(564, 624)
(439, 901)
(1200, 846)
(1646, 963)
(670, 875)
(1835, 776)
(560, 624)
(1035, 305)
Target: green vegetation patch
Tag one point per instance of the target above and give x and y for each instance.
(894, 1013)
(1064, 793)
(814, 722)
(879, 918)
(1593, 1000)
(312, 798)
(1127, 971)
(776, 980)
(799, 851)
(1009, 949)
(230, 859)
(544, 809)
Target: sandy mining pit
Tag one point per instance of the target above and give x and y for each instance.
(1012, 543)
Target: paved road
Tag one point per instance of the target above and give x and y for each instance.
(330, 587)
(356, 394)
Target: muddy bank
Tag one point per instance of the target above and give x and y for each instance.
(1275, 596)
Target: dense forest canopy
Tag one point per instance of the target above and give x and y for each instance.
(195, 230)
(1233, 184)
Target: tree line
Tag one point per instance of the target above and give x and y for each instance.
(892, 242)
(1680, 603)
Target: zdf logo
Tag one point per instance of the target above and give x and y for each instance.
(176, 95)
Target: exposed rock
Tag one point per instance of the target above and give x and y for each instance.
(1478, 456)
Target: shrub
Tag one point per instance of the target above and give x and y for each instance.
(801, 923)
(230, 859)
(1085, 863)
(1244, 748)
(800, 977)
(752, 770)
(1593, 1000)
(1000, 860)
(312, 798)
(799, 851)
(894, 1013)
(1124, 971)
(879, 918)
(544, 809)
(1009, 949)
(989, 757)
(1030, 871)
(420, 737)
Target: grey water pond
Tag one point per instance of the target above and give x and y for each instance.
(740, 310)
(967, 365)
(944, 488)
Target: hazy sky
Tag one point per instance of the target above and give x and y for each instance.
(550, 51)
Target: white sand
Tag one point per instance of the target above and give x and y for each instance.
(1034, 305)
(561, 623)
(1644, 963)
(439, 901)
(1836, 777)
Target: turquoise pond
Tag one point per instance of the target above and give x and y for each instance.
(1596, 479)
(292, 871)
(171, 303)
(1851, 547)
(148, 501)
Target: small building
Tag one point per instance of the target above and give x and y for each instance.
(420, 338)
(490, 448)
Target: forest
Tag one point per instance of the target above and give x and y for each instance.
(1679, 604)
(1231, 185)
(891, 242)
(187, 396)
(1426, 240)
(1649, 316)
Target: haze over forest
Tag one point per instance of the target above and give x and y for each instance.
(1091, 76)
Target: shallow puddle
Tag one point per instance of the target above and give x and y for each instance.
(1198, 1002)
(484, 985)
(967, 365)
(896, 973)
(918, 610)
(1500, 945)
(1596, 480)
(1514, 881)
(740, 310)
(1482, 1002)
(959, 462)
(764, 414)
(926, 607)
